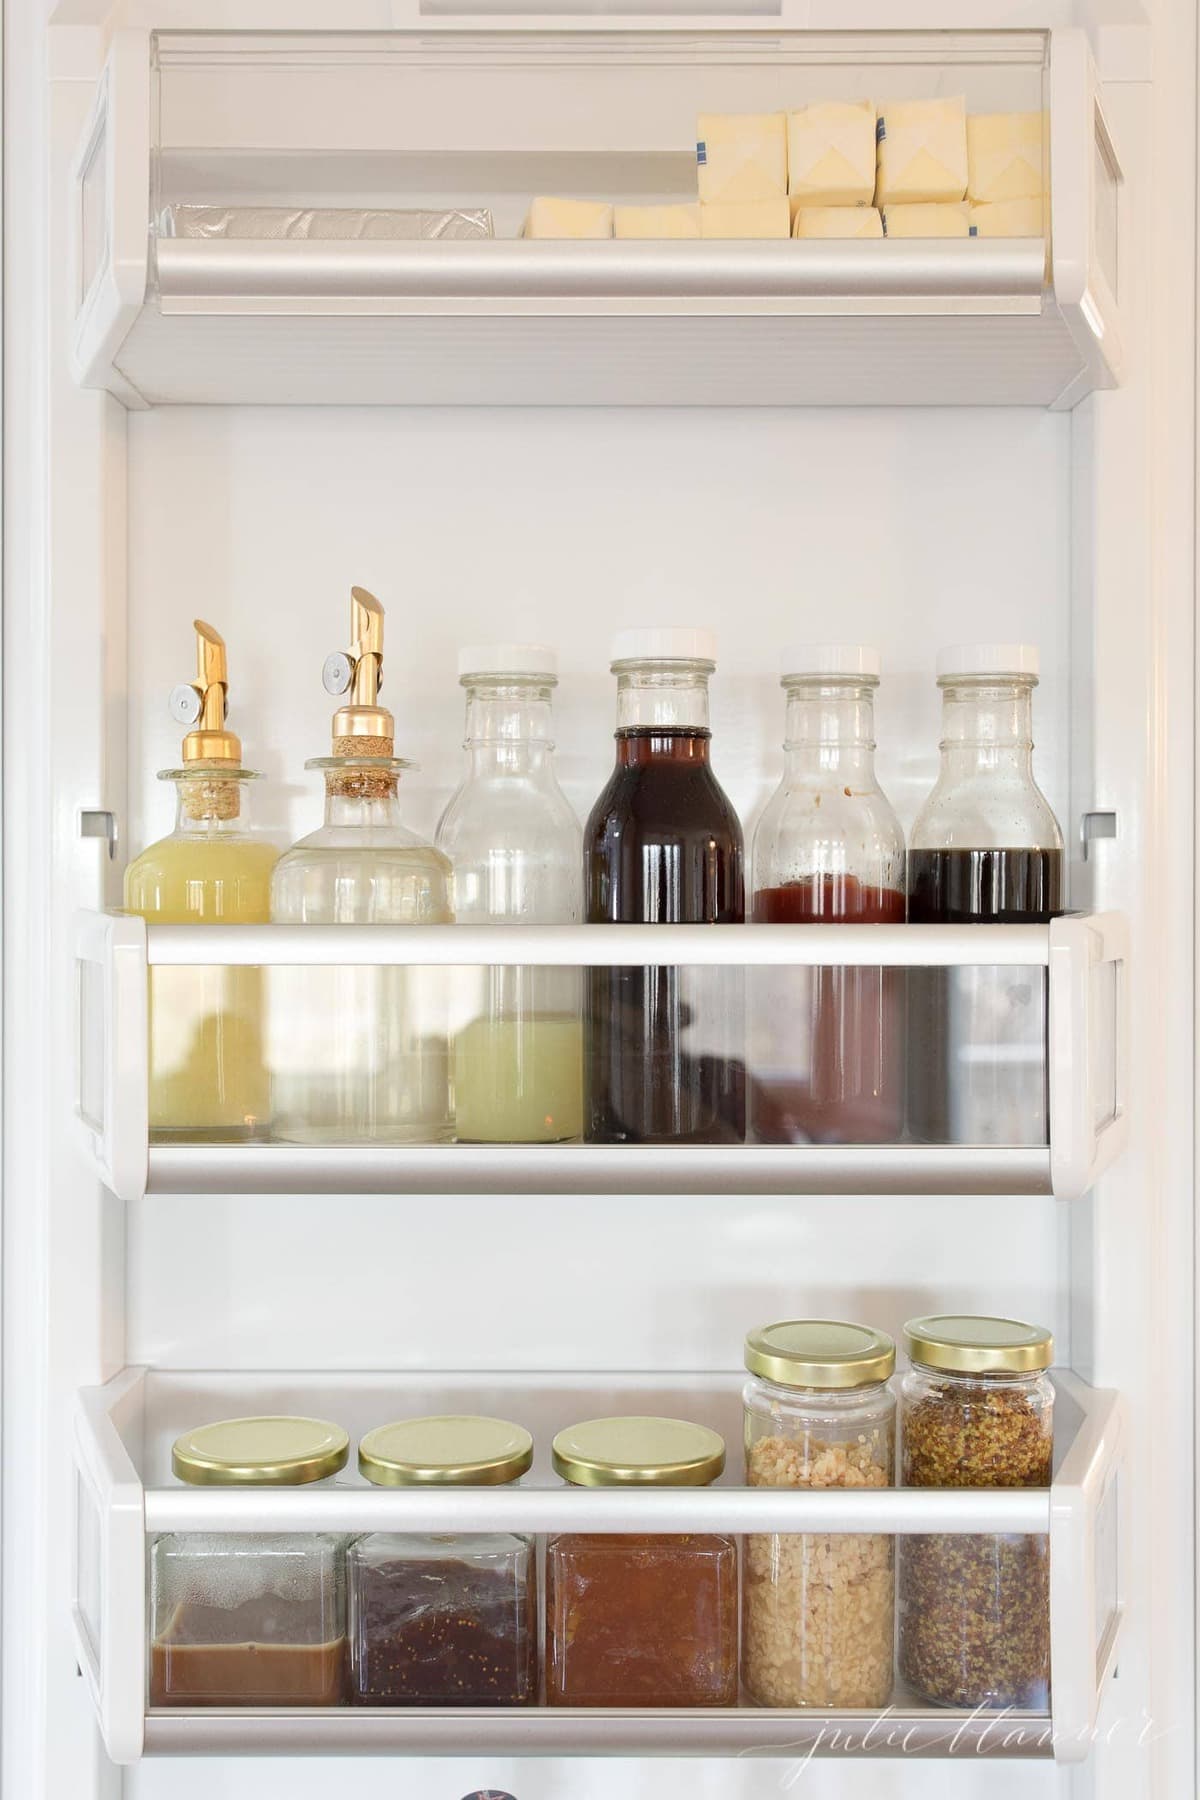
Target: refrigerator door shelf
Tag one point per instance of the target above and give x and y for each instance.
(123, 1436)
(1077, 1064)
(458, 116)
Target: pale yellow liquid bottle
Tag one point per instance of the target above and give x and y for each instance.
(516, 848)
(208, 1079)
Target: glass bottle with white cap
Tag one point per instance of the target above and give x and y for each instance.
(827, 1044)
(254, 1618)
(515, 845)
(640, 1618)
(663, 845)
(985, 849)
(446, 1618)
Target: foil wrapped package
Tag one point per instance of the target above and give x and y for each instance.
(325, 224)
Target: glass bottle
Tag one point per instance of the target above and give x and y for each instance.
(361, 1054)
(977, 1411)
(250, 1618)
(515, 845)
(985, 849)
(663, 845)
(640, 1619)
(445, 1619)
(829, 1042)
(818, 1608)
(208, 1078)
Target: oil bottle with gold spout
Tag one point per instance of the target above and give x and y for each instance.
(360, 1054)
(208, 1079)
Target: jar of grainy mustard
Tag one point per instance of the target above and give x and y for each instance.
(977, 1411)
(640, 1618)
(818, 1607)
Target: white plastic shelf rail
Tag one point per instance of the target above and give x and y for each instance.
(1085, 956)
(454, 113)
(123, 1435)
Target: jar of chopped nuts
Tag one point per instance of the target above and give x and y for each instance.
(818, 1607)
(977, 1411)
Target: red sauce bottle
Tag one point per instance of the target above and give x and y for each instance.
(828, 1043)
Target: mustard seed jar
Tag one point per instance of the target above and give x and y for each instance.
(818, 1607)
(645, 1618)
(250, 1618)
(446, 1618)
(977, 1410)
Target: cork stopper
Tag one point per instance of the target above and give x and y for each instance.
(205, 798)
(358, 781)
(364, 746)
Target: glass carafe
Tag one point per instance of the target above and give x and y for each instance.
(985, 849)
(828, 1052)
(360, 1054)
(208, 1078)
(515, 845)
(663, 846)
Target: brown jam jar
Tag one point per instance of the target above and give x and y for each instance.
(641, 1619)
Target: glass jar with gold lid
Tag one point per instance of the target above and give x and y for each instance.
(445, 1619)
(818, 1607)
(977, 1410)
(640, 1619)
(253, 1618)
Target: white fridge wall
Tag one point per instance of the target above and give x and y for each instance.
(906, 529)
(903, 529)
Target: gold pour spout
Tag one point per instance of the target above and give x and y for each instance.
(362, 728)
(204, 703)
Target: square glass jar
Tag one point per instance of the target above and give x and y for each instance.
(247, 1619)
(639, 1619)
(447, 1620)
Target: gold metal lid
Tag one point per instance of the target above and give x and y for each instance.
(272, 1451)
(204, 703)
(978, 1346)
(456, 1448)
(820, 1353)
(651, 1452)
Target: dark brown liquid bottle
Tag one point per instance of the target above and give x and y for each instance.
(663, 846)
(986, 849)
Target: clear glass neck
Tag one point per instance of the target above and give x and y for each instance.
(830, 724)
(662, 696)
(510, 721)
(366, 804)
(987, 724)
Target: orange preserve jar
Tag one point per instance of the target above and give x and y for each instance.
(641, 1619)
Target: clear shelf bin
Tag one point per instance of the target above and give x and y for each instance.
(452, 114)
(1029, 1045)
(123, 1435)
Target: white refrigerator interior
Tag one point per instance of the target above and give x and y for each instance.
(541, 447)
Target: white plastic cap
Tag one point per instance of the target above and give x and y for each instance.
(508, 659)
(831, 659)
(665, 643)
(987, 659)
